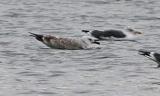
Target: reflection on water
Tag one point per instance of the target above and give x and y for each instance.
(29, 68)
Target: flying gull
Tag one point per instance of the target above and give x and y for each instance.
(85, 42)
(151, 55)
(127, 34)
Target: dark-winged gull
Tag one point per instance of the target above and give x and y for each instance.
(85, 42)
(127, 34)
(151, 55)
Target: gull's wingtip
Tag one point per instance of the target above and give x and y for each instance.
(37, 36)
(143, 52)
(86, 31)
(32, 34)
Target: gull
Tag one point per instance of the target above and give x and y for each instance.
(151, 55)
(84, 42)
(127, 34)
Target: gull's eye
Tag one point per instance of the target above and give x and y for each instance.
(129, 29)
(90, 39)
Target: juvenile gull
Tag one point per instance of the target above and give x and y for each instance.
(127, 34)
(85, 42)
(151, 55)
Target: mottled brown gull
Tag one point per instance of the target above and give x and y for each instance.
(84, 42)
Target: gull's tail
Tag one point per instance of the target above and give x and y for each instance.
(85, 31)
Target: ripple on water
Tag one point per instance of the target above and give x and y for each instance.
(28, 73)
(30, 68)
(81, 91)
(56, 73)
(98, 2)
(3, 43)
(156, 83)
(44, 93)
(12, 53)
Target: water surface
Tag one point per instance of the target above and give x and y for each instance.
(29, 68)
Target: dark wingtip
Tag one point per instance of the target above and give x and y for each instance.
(141, 51)
(158, 65)
(33, 34)
(86, 31)
(144, 52)
(96, 42)
(37, 36)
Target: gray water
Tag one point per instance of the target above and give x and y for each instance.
(29, 68)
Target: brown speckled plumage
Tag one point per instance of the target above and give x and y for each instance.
(64, 43)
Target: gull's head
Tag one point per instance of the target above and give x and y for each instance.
(133, 31)
(90, 39)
